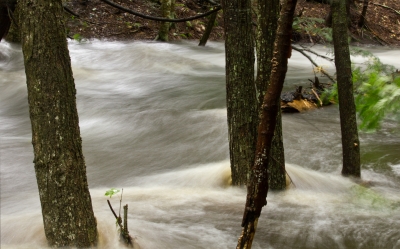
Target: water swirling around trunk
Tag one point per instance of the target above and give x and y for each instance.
(153, 121)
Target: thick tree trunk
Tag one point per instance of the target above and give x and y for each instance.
(258, 187)
(348, 123)
(14, 34)
(267, 16)
(59, 163)
(240, 87)
(328, 18)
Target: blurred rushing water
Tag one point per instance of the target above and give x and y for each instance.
(153, 122)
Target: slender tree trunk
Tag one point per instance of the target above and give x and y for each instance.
(14, 34)
(240, 87)
(363, 14)
(207, 32)
(348, 123)
(267, 16)
(258, 187)
(59, 163)
(167, 11)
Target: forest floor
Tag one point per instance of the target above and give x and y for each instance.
(101, 21)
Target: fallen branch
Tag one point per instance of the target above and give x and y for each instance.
(122, 33)
(313, 62)
(70, 11)
(319, 55)
(387, 7)
(380, 40)
(159, 18)
(316, 95)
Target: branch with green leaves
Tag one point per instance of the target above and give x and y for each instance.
(376, 92)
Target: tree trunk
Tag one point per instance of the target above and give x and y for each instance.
(207, 32)
(59, 163)
(167, 11)
(328, 18)
(363, 14)
(258, 187)
(267, 16)
(348, 123)
(240, 87)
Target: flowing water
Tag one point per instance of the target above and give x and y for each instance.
(153, 122)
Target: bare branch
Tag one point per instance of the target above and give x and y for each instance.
(313, 62)
(159, 18)
(387, 7)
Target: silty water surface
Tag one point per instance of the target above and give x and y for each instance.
(153, 122)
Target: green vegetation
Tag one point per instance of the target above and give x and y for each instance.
(367, 197)
(377, 92)
(314, 27)
(111, 192)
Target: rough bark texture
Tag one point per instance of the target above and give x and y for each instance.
(348, 123)
(258, 186)
(267, 16)
(240, 87)
(59, 163)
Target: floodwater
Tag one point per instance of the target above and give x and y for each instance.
(153, 122)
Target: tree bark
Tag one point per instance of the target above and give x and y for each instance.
(267, 16)
(347, 108)
(167, 11)
(58, 160)
(258, 187)
(240, 87)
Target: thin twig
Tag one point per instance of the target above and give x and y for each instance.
(291, 180)
(159, 18)
(70, 11)
(316, 95)
(115, 215)
(313, 62)
(319, 55)
(112, 210)
(120, 202)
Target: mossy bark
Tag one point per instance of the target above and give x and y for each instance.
(167, 11)
(267, 16)
(14, 34)
(240, 88)
(348, 122)
(258, 186)
(58, 160)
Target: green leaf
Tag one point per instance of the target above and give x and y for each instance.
(111, 192)
(77, 37)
